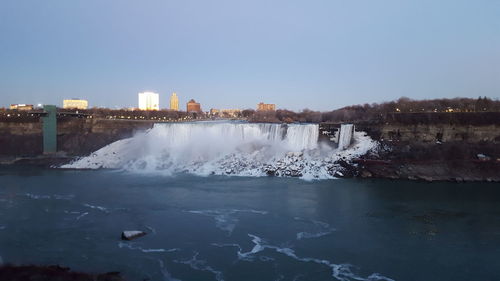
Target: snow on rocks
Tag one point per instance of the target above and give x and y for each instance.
(247, 157)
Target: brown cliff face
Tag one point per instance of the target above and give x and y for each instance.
(425, 133)
(83, 136)
(434, 152)
(75, 137)
(21, 138)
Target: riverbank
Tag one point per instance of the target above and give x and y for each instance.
(431, 171)
(46, 161)
(454, 161)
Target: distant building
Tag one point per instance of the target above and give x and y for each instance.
(149, 101)
(225, 112)
(193, 106)
(266, 107)
(21, 106)
(75, 104)
(174, 102)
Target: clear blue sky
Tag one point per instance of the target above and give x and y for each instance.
(317, 54)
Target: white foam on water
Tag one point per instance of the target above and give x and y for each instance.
(152, 229)
(201, 265)
(34, 196)
(340, 272)
(133, 246)
(225, 219)
(318, 229)
(153, 250)
(258, 247)
(53, 196)
(82, 215)
(229, 148)
(63, 197)
(95, 207)
(166, 275)
(308, 235)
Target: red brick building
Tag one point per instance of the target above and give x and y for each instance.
(193, 106)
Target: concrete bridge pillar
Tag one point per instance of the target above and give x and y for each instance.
(50, 129)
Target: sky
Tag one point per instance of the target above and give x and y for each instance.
(315, 54)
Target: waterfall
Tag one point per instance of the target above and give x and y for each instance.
(345, 135)
(227, 136)
(301, 137)
(238, 148)
(181, 144)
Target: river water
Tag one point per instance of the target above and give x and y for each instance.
(248, 228)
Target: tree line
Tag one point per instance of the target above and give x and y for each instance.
(402, 109)
(405, 107)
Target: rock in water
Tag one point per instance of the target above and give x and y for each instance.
(132, 234)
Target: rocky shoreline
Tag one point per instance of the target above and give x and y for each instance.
(38, 161)
(365, 167)
(453, 162)
(432, 171)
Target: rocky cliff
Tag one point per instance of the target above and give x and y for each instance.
(431, 133)
(427, 149)
(75, 136)
(433, 151)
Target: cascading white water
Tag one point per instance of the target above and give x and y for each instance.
(345, 135)
(204, 148)
(300, 137)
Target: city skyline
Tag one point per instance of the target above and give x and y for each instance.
(148, 101)
(232, 54)
(174, 101)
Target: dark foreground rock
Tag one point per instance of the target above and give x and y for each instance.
(52, 273)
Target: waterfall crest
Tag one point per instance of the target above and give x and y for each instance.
(237, 148)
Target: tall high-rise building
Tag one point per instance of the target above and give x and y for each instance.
(266, 107)
(149, 101)
(174, 102)
(75, 104)
(193, 106)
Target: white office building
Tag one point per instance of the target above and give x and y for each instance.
(149, 101)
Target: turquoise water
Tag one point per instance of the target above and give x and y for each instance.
(238, 228)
